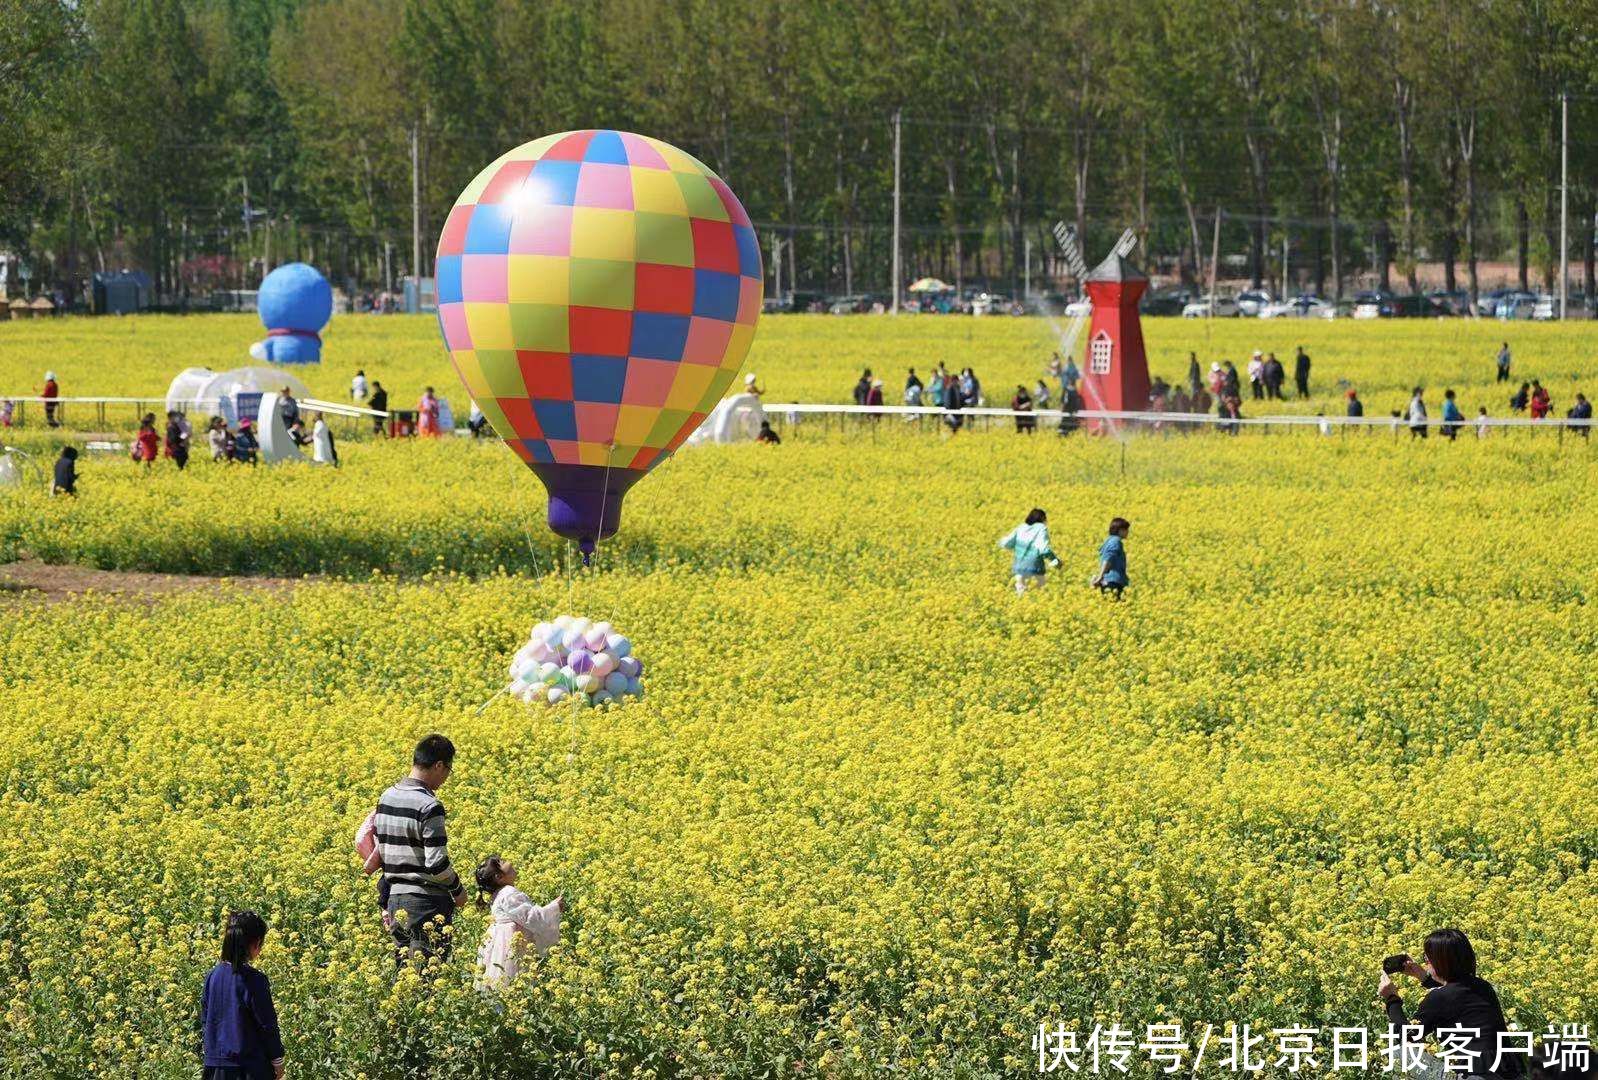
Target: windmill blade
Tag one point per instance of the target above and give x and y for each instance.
(1065, 236)
(1073, 330)
(1125, 245)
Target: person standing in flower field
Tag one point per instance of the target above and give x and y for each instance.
(1112, 559)
(515, 922)
(1503, 363)
(423, 888)
(238, 1023)
(1453, 419)
(1417, 415)
(1030, 550)
(146, 444)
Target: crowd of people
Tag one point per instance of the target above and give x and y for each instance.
(1221, 389)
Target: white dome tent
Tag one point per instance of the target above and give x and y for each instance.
(203, 392)
(734, 419)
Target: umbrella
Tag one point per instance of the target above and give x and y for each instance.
(931, 284)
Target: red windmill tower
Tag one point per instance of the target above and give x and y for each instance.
(1115, 369)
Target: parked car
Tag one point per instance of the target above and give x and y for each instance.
(1224, 308)
(1547, 308)
(990, 304)
(1303, 306)
(1420, 307)
(1516, 305)
(1251, 301)
(1373, 304)
(1457, 302)
(1168, 301)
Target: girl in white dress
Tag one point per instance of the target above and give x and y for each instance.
(515, 921)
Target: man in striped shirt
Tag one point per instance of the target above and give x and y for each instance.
(423, 888)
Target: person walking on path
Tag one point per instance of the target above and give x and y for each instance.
(1301, 372)
(379, 403)
(245, 446)
(1275, 376)
(912, 388)
(427, 415)
(952, 404)
(1022, 402)
(423, 888)
(1112, 559)
(862, 389)
(1503, 363)
(146, 444)
(1541, 403)
(1521, 399)
(1356, 407)
(1453, 419)
(1417, 415)
(239, 1036)
(1581, 410)
(177, 443)
(1256, 375)
(1030, 551)
(52, 390)
(217, 437)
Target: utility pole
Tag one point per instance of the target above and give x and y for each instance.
(416, 220)
(1284, 266)
(248, 213)
(1564, 202)
(776, 266)
(1215, 261)
(896, 117)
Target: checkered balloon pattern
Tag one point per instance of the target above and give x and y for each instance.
(598, 291)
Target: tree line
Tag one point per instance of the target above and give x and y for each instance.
(202, 140)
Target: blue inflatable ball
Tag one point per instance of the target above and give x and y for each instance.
(295, 303)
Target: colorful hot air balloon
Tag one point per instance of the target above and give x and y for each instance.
(597, 292)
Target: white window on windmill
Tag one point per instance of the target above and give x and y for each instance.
(1099, 351)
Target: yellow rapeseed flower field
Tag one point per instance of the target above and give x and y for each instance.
(876, 814)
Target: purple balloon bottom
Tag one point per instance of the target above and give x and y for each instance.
(585, 503)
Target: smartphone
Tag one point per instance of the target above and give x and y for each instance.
(1394, 964)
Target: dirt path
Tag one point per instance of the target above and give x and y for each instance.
(30, 579)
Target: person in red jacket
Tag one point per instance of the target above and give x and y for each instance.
(874, 397)
(52, 390)
(1540, 401)
(146, 444)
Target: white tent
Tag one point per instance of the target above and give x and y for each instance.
(204, 392)
(734, 419)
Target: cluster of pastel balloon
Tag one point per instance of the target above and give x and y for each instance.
(573, 659)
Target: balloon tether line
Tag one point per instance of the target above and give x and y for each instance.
(604, 497)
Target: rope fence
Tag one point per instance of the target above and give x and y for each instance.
(103, 408)
(790, 413)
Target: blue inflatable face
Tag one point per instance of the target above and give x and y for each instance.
(295, 303)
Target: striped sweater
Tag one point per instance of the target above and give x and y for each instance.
(410, 838)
